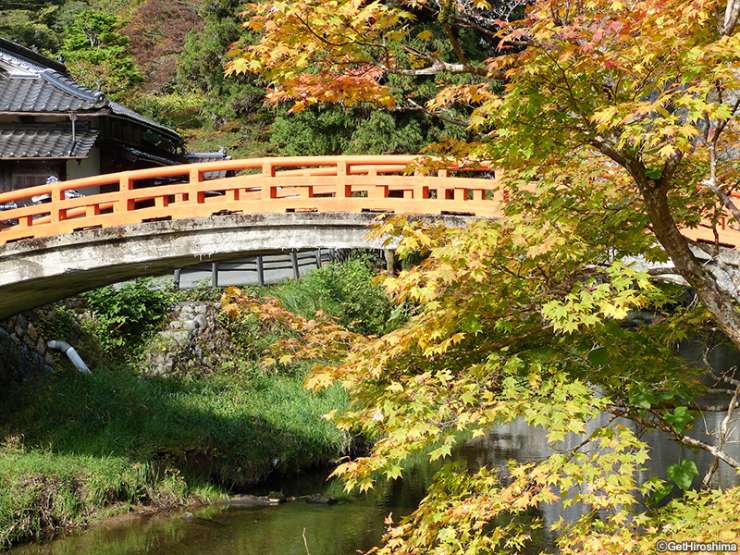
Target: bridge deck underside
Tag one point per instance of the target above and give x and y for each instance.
(40, 271)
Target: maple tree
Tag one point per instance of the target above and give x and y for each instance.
(615, 124)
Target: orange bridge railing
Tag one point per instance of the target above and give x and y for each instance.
(258, 186)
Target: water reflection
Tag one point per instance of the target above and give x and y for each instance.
(524, 443)
(329, 530)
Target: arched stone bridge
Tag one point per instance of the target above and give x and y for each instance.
(148, 222)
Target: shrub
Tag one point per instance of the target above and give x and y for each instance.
(313, 132)
(126, 314)
(348, 292)
(174, 110)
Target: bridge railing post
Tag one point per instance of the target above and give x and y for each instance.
(343, 190)
(196, 197)
(268, 190)
(56, 196)
(124, 204)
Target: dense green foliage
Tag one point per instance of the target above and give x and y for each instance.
(200, 66)
(30, 27)
(334, 130)
(102, 47)
(125, 315)
(96, 53)
(345, 291)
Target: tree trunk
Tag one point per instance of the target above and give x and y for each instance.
(720, 300)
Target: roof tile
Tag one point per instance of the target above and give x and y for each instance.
(44, 141)
(47, 92)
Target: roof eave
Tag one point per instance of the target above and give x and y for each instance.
(2, 159)
(65, 113)
(161, 130)
(100, 113)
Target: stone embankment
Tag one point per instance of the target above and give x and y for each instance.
(23, 350)
(193, 341)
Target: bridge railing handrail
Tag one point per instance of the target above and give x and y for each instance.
(330, 184)
(359, 163)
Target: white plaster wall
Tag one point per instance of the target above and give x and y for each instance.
(85, 168)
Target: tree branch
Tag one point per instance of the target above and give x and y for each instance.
(415, 106)
(658, 423)
(722, 437)
(437, 67)
(727, 202)
(732, 11)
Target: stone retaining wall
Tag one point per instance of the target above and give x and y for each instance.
(23, 351)
(191, 342)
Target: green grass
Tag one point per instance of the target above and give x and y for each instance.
(42, 491)
(345, 291)
(77, 446)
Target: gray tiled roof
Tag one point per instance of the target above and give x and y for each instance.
(121, 110)
(48, 91)
(44, 141)
(37, 84)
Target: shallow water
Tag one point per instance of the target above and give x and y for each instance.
(337, 529)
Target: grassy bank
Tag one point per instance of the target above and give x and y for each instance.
(77, 446)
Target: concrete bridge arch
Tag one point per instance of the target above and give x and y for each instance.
(39, 271)
(104, 229)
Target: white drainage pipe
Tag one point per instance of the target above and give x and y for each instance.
(72, 355)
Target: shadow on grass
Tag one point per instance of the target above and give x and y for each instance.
(227, 429)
